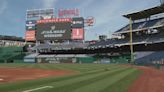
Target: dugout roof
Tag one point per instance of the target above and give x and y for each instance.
(145, 13)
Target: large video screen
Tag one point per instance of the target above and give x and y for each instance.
(53, 31)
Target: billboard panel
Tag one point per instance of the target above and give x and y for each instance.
(68, 12)
(78, 33)
(30, 35)
(54, 31)
(54, 20)
(38, 13)
(54, 60)
(30, 25)
(78, 22)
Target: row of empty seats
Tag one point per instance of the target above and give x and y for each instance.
(11, 38)
(150, 57)
(145, 24)
(154, 38)
(62, 46)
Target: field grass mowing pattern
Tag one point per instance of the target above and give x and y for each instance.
(93, 78)
(122, 84)
(70, 87)
(26, 84)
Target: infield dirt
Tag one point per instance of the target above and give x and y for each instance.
(152, 80)
(18, 74)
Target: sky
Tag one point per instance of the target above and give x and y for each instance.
(107, 13)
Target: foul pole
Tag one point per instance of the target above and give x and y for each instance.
(131, 42)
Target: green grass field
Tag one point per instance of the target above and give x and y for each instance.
(92, 78)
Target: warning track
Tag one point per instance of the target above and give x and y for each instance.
(151, 80)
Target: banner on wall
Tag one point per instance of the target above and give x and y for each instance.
(78, 33)
(30, 35)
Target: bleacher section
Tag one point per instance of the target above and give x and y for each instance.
(146, 31)
(61, 46)
(142, 39)
(11, 38)
(150, 58)
(155, 23)
(11, 41)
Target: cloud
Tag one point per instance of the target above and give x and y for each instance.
(3, 6)
(105, 12)
(108, 14)
(49, 3)
(85, 4)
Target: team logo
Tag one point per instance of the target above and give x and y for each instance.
(30, 22)
(77, 22)
(30, 25)
(53, 27)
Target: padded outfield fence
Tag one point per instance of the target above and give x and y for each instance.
(11, 54)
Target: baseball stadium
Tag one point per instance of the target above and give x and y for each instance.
(54, 54)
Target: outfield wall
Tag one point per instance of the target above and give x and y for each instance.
(73, 58)
(11, 54)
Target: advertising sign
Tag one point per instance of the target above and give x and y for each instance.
(78, 22)
(30, 25)
(90, 21)
(30, 35)
(54, 31)
(78, 33)
(54, 60)
(54, 20)
(38, 13)
(68, 12)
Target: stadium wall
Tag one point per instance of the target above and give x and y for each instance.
(11, 54)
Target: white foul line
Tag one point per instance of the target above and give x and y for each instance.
(38, 88)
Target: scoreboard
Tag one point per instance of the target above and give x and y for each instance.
(53, 29)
